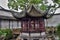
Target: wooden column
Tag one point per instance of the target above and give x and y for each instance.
(29, 29)
(42, 26)
(17, 23)
(21, 26)
(0, 24)
(9, 24)
(12, 24)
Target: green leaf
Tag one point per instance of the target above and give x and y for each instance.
(43, 7)
(1, 33)
(22, 3)
(58, 29)
(57, 1)
(35, 1)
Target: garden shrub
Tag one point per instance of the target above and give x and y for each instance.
(6, 32)
(58, 30)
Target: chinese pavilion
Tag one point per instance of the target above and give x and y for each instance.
(32, 23)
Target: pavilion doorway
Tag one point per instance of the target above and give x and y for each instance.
(35, 39)
(24, 39)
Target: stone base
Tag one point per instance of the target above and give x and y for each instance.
(32, 36)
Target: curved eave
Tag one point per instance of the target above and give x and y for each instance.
(49, 16)
(32, 11)
(5, 16)
(19, 14)
(25, 14)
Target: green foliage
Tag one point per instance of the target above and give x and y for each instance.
(43, 7)
(57, 1)
(1, 33)
(21, 4)
(58, 29)
(6, 32)
(14, 4)
(35, 1)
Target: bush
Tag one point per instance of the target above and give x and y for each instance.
(1, 33)
(58, 29)
(6, 32)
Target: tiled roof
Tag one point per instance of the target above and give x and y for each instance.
(6, 14)
(30, 11)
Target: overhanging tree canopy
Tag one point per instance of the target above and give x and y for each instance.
(21, 4)
(15, 4)
(39, 4)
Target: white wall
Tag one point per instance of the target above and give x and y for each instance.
(3, 3)
(54, 21)
(12, 24)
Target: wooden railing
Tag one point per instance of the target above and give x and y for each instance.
(16, 31)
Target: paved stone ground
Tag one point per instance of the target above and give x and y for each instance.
(56, 38)
(40, 39)
(12, 39)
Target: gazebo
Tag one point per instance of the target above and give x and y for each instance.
(32, 23)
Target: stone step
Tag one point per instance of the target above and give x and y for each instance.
(18, 38)
(12, 39)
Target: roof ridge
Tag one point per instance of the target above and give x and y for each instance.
(1, 7)
(33, 7)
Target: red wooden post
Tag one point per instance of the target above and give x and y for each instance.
(42, 26)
